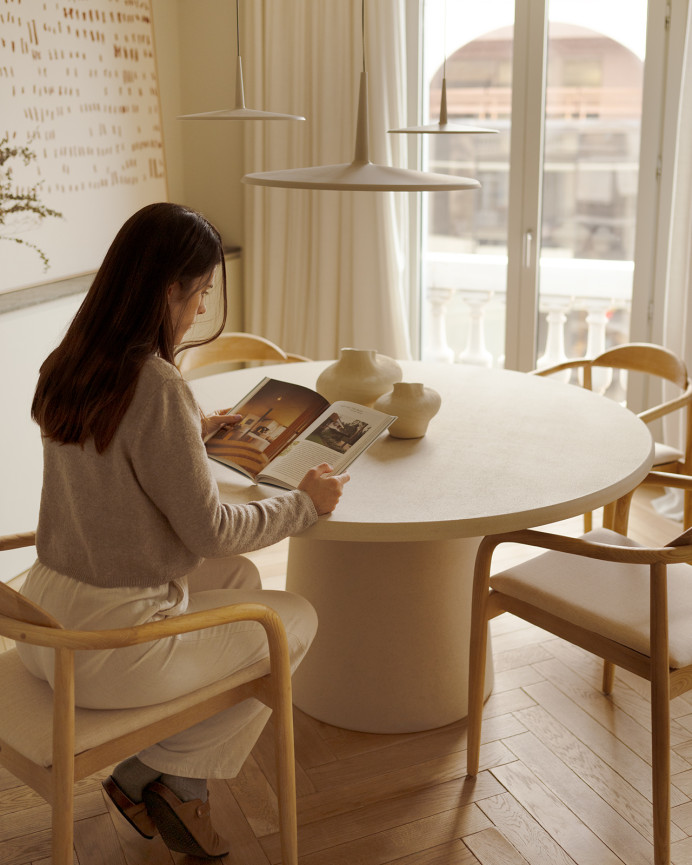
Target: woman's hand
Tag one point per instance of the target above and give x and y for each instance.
(212, 423)
(325, 492)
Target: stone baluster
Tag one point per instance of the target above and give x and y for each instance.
(556, 318)
(596, 324)
(435, 348)
(476, 353)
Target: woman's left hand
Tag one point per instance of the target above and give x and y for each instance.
(212, 423)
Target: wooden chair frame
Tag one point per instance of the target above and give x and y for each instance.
(21, 620)
(666, 683)
(231, 348)
(648, 359)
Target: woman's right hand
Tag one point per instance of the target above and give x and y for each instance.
(212, 423)
(325, 492)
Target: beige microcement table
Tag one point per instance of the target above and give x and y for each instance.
(390, 571)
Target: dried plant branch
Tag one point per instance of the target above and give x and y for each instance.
(16, 200)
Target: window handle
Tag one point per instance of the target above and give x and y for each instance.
(528, 247)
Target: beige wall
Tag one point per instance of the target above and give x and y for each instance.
(196, 55)
(26, 337)
(195, 46)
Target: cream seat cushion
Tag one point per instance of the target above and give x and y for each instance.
(26, 719)
(664, 454)
(609, 598)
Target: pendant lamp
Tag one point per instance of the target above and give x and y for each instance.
(361, 174)
(239, 111)
(443, 126)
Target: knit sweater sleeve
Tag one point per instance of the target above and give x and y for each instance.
(171, 466)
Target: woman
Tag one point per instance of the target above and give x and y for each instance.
(131, 528)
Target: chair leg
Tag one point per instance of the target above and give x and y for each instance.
(286, 771)
(660, 767)
(477, 652)
(608, 677)
(660, 715)
(63, 759)
(63, 828)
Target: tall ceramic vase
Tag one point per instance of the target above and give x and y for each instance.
(413, 404)
(359, 375)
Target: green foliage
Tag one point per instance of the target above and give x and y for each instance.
(16, 199)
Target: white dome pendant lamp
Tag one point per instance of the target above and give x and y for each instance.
(361, 174)
(239, 111)
(443, 126)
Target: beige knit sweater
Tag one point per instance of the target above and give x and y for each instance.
(147, 509)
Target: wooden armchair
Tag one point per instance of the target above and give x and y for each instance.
(630, 605)
(49, 744)
(653, 360)
(231, 348)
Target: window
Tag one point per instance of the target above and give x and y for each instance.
(538, 264)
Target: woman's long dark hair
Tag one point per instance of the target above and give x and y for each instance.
(86, 384)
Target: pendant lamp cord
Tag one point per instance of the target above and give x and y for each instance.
(237, 27)
(444, 39)
(362, 29)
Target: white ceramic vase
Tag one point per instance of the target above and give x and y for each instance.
(414, 404)
(359, 375)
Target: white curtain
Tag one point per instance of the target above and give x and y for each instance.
(325, 270)
(678, 313)
(677, 327)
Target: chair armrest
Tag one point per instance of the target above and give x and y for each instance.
(120, 637)
(669, 479)
(591, 549)
(17, 541)
(664, 408)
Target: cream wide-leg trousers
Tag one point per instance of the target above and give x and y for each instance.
(156, 672)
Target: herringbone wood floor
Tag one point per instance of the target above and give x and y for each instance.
(565, 780)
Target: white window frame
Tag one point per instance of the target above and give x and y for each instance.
(666, 26)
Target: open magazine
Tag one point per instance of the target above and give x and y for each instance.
(288, 429)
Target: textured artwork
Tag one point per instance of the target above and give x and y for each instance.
(78, 88)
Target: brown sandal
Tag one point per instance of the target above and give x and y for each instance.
(184, 826)
(134, 812)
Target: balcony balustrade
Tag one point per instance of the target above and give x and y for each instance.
(594, 289)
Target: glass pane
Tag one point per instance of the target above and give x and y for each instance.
(465, 233)
(590, 174)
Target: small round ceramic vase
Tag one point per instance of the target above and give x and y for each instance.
(413, 404)
(359, 375)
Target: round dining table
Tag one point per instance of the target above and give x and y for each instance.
(390, 571)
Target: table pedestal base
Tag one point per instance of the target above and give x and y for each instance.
(391, 653)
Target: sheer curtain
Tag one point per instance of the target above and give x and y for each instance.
(325, 269)
(678, 313)
(677, 324)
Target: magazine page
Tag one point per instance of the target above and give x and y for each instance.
(337, 436)
(274, 414)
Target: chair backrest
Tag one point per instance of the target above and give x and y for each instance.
(655, 360)
(643, 357)
(233, 348)
(646, 358)
(640, 357)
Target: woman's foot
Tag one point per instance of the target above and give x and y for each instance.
(184, 826)
(134, 812)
